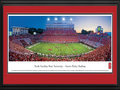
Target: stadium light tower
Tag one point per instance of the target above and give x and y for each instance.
(70, 19)
(63, 19)
(48, 19)
(56, 19)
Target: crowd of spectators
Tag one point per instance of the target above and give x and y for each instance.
(59, 32)
(102, 53)
(60, 36)
(25, 40)
(18, 52)
(60, 39)
(95, 40)
(18, 48)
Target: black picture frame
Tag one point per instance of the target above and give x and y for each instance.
(59, 3)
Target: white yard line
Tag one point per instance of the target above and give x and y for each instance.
(33, 45)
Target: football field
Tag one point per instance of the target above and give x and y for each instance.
(60, 48)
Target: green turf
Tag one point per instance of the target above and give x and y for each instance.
(60, 49)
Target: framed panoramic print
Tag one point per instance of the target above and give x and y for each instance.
(60, 43)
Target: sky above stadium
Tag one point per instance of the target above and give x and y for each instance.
(80, 22)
